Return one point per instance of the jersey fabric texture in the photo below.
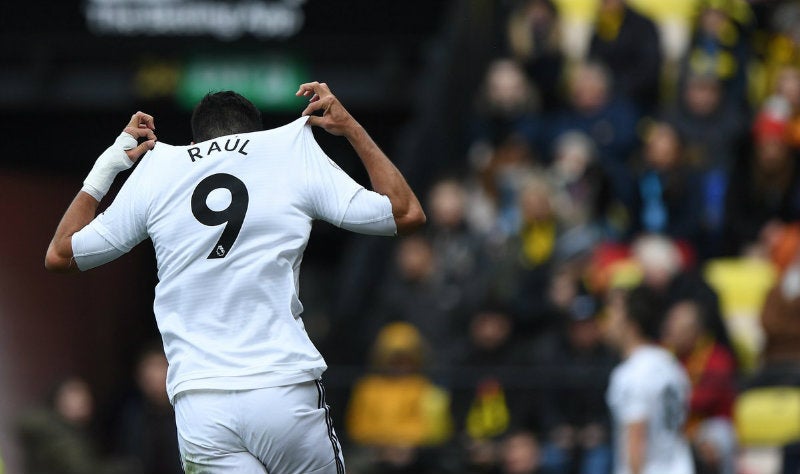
(229, 219)
(651, 386)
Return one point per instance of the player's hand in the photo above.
(141, 126)
(335, 119)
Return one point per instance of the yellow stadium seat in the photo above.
(768, 416)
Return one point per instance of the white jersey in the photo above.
(229, 219)
(651, 386)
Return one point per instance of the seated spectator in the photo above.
(628, 44)
(493, 191)
(489, 393)
(417, 293)
(712, 129)
(786, 97)
(780, 318)
(507, 107)
(669, 189)
(574, 409)
(396, 405)
(520, 266)
(58, 439)
(609, 121)
(664, 272)
(712, 372)
(713, 132)
(721, 47)
(764, 186)
(457, 249)
(534, 39)
(146, 430)
(582, 190)
(520, 454)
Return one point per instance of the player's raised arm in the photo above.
(386, 179)
(118, 157)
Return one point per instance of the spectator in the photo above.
(481, 456)
(416, 293)
(147, 428)
(521, 266)
(520, 454)
(494, 191)
(58, 439)
(669, 189)
(575, 411)
(457, 249)
(779, 318)
(712, 129)
(507, 107)
(534, 40)
(609, 121)
(765, 186)
(488, 400)
(712, 373)
(628, 44)
(663, 271)
(713, 132)
(720, 47)
(583, 193)
(396, 409)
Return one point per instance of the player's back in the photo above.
(229, 219)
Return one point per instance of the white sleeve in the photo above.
(369, 213)
(117, 230)
(90, 249)
(636, 403)
(329, 189)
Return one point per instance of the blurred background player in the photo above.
(648, 393)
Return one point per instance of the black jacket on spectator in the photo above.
(752, 202)
(634, 57)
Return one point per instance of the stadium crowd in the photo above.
(612, 144)
(659, 150)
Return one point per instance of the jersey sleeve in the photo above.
(369, 213)
(329, 189)
(118, 229)
(635, 401)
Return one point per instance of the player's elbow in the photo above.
(410, 221)
(56, 263)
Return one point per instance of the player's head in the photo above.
(644, 312)
(636, 319)
(224, 113)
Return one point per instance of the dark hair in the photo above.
(224, 113)
(645, 308)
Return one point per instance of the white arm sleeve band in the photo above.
(90, 249)
(369, 213)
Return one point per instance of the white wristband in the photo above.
(108, 165)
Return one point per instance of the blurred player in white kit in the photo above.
(230, 217)
(648, 393)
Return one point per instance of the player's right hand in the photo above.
(140, 126)
(335, 119)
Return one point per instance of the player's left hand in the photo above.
(335, 118)
(140, 126)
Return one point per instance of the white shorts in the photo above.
(276, 430)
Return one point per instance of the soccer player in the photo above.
(648, 393)
(229, 217)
